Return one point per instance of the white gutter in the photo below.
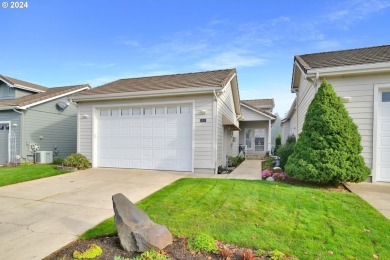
(28, 88)
(52, 98)
(215, 132)
(151, 93)
(257, 111)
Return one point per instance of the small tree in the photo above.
(278, 142)
(328, 148)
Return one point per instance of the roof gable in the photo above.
(218, 78)
(17, 83)
(350, 57)
(266, 114)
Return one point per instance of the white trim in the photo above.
(351, 69)
(9, 138)
(52, 98)
(95, 110)
(152, 93)
(9, 108)
(257, 111)
(375, 158)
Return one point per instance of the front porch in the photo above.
(255, 138)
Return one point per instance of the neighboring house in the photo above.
(181, 122)
(32, 115)
(289, 123)
(361, 77)
(255, 125)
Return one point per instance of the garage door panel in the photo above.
(136, 131)
(147, 141)
(158, 142)
(147, 131)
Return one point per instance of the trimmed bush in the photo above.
(236, 160)
(328, 148)
(286, 150)
(203, 242)
(76, 160)
(93, 251)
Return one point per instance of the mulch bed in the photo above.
(178, 250)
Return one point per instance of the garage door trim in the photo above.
(378, 89)
(96, 113)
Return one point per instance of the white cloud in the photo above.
(230, 59)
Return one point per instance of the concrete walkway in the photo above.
(376, 194)
(39, 217)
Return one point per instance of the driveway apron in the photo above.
(39, 217)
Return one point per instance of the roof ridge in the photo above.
(174, 74)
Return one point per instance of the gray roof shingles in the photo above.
(217, 78)
(344, 57)
(33, 98)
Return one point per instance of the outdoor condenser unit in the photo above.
(44, 157)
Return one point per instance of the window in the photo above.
(160, 111)
(125, 112)
(115, 112)
(104, 112)
(184, 110)
(386, 96)
(148, 111)
(136, 111)
(172, 110)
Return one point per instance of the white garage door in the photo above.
(384, 137)
(158, 137)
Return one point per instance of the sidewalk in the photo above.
(376, 194)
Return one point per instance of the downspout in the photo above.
(21, 132)
(215, 131)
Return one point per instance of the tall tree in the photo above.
(328, 149)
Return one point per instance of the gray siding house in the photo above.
(32, 115)
(361, 77)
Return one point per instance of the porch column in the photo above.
(269, 136)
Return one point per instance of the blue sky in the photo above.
(67, 42)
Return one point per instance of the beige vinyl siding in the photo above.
(361, 90)
(225, 106)
(203, 131)
(57, 129)
(250, 115)
(294, 124)
(304, 97)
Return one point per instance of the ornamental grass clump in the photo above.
(76, 160)
(328, 148)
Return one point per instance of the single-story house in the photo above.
(35, 118)
(181, 122)
(255, 124)
(361, 77)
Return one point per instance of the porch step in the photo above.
(254, 156)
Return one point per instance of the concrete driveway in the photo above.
(39, 217)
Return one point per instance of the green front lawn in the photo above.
(12, 175)
(301, 221)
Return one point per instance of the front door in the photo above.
(384, 137)
(255, 139)
(4, 131)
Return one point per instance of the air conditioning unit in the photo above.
(44, 157)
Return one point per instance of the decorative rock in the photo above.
(136, 231)
(269, 179)
(277, 169)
